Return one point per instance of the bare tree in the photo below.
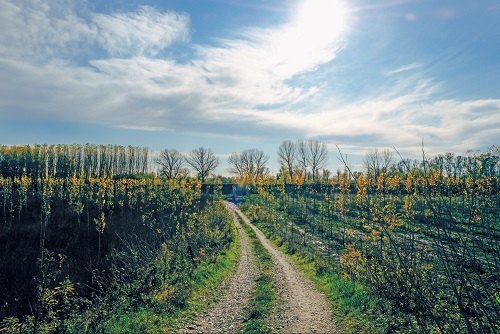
(249, 163)
(286, 156)
(302, 156)
(260, 161)
(387, 160)
(203, 161)
(372, 163)
(377, 162)
(171, 163)
(317, 155)
(235, 165)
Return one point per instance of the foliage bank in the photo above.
(77, 250)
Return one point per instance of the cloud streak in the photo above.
(144, 32)
(402, 69)
(40, 30)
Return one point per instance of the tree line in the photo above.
(63, 161)
(299, 161)
(303, 159)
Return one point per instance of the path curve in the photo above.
(232, 310)
(302, 308)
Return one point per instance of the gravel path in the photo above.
(302, 309)
(229, 314)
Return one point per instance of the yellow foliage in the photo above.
(11, 325)
(164, 294)
(393, 182)
(409, 183)
(352, 261)
(380, 182)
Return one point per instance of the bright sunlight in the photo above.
(316, 29)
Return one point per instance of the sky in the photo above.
(234, 75)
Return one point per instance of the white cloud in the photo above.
(40, 30)
(144, 128)
(256, 65)
(241, 73)
(144, 32)
(410, 17)
(447, 14)
(36, 30)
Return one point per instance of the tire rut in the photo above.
(301, 308)
(232, 310)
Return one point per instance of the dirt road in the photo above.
(300, 307)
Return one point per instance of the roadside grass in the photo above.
(356, 310)
(265, 294)
(206, 281)
(354, 306)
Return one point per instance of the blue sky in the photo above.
(233, 74)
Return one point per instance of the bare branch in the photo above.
(203, 161)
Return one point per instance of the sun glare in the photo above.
(321, 21)
(313, 33)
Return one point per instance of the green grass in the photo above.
(144, 320)
(265, 293)
(207, 278)
(356, 310)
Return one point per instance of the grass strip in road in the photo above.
(265, 294)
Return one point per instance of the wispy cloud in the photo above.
(410, 17)
(276, 6)
(36, 30)
(382, 4)
(255, 66)
(404, 68)
(144, 32)
(39, 30)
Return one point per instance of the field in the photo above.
(92, 241)
(427, 244)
